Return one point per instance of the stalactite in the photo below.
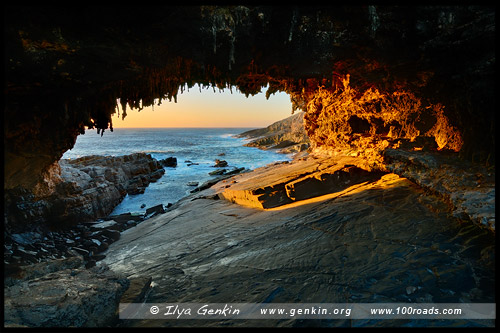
(293, 21)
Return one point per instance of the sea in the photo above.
(196, 150)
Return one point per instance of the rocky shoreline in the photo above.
(114, 256)
(44, 260)
(86, 239)
(378, 237)
(98, 184)
(58, 270)
(79, 190)
(84, 270)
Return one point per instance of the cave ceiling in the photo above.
(71, 68)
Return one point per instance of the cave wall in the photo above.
(358, 71)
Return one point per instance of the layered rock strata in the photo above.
(469, 189)
(287, 135)
(80, 190)
(273, 186)
(385, 240)
(351, 238)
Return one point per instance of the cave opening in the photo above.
(192, 133)
(395, 102)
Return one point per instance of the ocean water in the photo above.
(198, 145)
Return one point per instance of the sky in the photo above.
(210, 109)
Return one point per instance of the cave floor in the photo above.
(381, 241)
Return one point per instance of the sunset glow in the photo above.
(206, 108)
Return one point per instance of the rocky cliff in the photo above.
(80, 190)
(288, 135)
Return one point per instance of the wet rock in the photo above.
(125, 217)
(83, 252)
(90, 263)
(192, 184)
(158, 209)
(103, 225)
(98, 257)
(220, 163)
(212, 182)
(93, 249)
(103, 247)
(170, 162)
(217, 172)
(26, 238)
(26, 255)
(235, 171)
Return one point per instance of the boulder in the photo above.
(170, 162)
(217, 172)
(158, 209)
(220, 163)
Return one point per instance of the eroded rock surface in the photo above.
(469, 188)
(284, 183)
(81, 190)
(383, 240)
(65, 295)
